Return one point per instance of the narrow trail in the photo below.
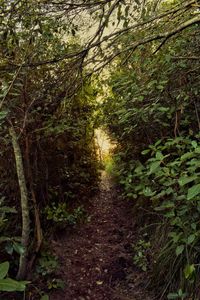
(96, 257)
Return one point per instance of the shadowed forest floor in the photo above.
(96, 257)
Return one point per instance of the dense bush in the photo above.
(168, 183)
(152, 110)
(47, 114)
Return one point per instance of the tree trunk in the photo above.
(38, 228)
(24, 205)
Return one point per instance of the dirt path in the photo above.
(96, 258)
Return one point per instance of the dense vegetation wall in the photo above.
(153, 112)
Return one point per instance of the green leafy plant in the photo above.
(47, 264)
(179, 295)
(60, 214)
(55, 284)
(7, 284)
(11, 244)
(170, 180)
(151, 109)
(140, 258)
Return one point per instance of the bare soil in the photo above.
(96, 258)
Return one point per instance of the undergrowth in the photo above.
(167, 185)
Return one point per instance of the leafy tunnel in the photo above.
(92, 87)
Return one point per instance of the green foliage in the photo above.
(55, 284)
(154, 96)
(169, 181)
(140, 257)
(109, 165)
(151, 109)
(4, 267)
(179, 295)
(47, 264)
(11, 244)
(46, 268)
(60, 214)
(7, 284)
(51, 107)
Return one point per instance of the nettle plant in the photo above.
(170, 179)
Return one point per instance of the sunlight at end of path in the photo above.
(104, 144)
(105, 149)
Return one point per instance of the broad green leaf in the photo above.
(191, 239)
(169, 191)
(169, 182)
(3, 114)
(144, 152)
(179, 250)
(176, 237)
(154, 166)
(187, 156)
(176, 222)
(158, 143)
(11, 285)
(194, 226)
(194, 162)
(139, 168)
(186, 179)
(166, 204)
(170, 214)
(181, 293)
(4, 267)
(163, 109)
(197, 150)
(160, 87)
(18, 248)
(193, 191)
(159, 195)
(148, 192)
(194, 144)
(189, 270)
(159, 155)
(180, 197)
